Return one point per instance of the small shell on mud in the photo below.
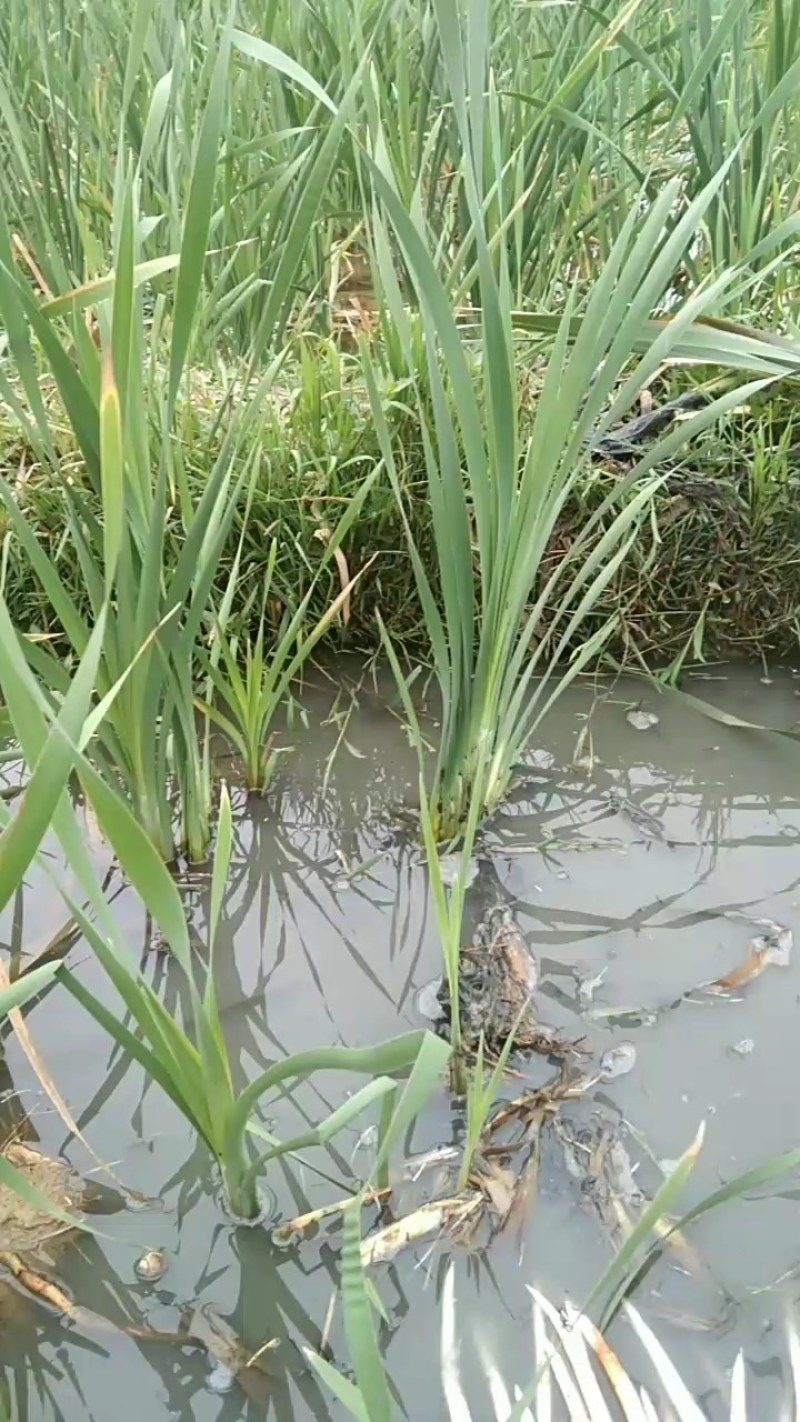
(642, 720)
(618, 1061)
(152, 1266)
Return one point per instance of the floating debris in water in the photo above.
(451, 866)
(427, 1000)
(626, 1015)
(137, 1203)
(435, 1217)
(439, 1155)
(290, 1230)
(152, 1266)
(587, 986)
(220, 1379)
(617, 1061)
(771, 948)
(642, 720)
(744, 1048)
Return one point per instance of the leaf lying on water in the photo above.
(773, 947)
(432, 1218)
(726, 718)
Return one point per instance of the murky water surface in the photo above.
(328, 937)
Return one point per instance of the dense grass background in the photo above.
(716, 569)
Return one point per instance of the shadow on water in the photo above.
(640, 871)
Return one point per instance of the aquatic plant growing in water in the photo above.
(192, 1067)
(508, 627)
(245, 700)
(153, 612)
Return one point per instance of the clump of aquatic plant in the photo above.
(483, 1088)
(509, 628)
(246, 694)
(733, 73)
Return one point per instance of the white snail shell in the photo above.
(152, 1265)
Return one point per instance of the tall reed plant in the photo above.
(122, 382)
(508, 626)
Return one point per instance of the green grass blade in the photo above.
(51, 768)
(614, 1281)
(197, 220)
(27, 987)
(342, 1388)
(142, 865)
(222, 859)
(359, 1326)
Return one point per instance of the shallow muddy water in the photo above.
(329, 937)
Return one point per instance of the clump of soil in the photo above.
(497, 979)
(24, 1227)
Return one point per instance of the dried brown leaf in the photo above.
(773, 948)
(432, 1218)
(301, 1223)
(38, 1284)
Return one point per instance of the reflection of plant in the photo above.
(16, 995)
(50, 744)
(573, 1358)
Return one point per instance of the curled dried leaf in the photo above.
(771, 948)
